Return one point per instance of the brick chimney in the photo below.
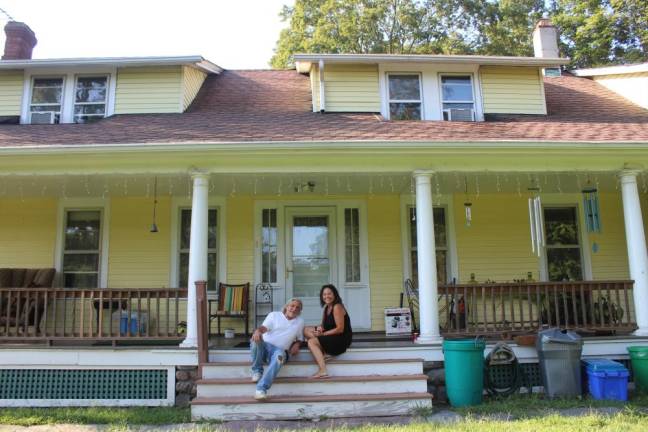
(545, 39)
(20, 41)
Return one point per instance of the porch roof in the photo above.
(275, 106)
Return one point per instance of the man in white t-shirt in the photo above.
(280, 333)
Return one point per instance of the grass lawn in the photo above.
(95, 415)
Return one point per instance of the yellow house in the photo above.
(506, 195)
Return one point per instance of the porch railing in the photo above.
(523, 307)
(50, 314)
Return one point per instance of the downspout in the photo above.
(321, 87)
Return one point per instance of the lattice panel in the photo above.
(83, 384)
(501, 375)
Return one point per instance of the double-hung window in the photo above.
(46, 100)
(458, 98)
(405, 102)
(212, 248)
(90, 97)
(440, 241)
(563, 248)
(82, 248)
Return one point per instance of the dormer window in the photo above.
(46, 100)
(404, 96)
(90, 99)
(457, 98)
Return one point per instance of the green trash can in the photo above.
(639, 360)
(464, 371)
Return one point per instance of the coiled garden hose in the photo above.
(502, 355)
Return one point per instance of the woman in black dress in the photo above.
(334, 336)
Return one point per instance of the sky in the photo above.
(234, 34)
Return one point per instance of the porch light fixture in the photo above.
(591, 208)
(467, 205)
(308, 186)
(154, 227)
(536, 222)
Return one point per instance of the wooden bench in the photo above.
(233, 302)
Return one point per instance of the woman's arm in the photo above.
(338, 316)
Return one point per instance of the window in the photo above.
(82, 249)
(562, 244)
(440, 240)
(46, 100)
(212, 248)
(269, 246)
(90, 99)
(352, 244)
(457, 98)
(404, 97)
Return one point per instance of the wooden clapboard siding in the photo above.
(610, 262)
(137, 257)
(512, 90)
(11, 92)
(315, 89)
(28, 232)
(149, 90)
(385, 256)
(192, 80)
(351, 88)
(633, 87)
(496, 246)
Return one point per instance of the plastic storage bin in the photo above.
(559, 352)
(639, 359)
(137, 323)
(606, 379)
(464, 371)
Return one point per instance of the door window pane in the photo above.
(564, 262)
(82, 248)
(352, 244)
(311, 266)
(269, 245)
(212, 248)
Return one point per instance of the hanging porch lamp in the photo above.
(467, 205)
(591, 208)
(536, 223)
(154, 227)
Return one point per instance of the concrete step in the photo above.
(413, 351)
(308, 406)
(334, 385)
(307, 368)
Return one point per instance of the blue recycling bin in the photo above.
(606, 379)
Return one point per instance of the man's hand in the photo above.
(256, 336)
(294, 348)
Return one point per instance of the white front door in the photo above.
(310, 256)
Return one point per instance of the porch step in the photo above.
(334, 385)
(308, 406)
(380, 367)
(373, 353)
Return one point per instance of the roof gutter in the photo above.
(319, 145)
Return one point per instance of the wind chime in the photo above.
(467, 204)
(154, 227)
(536, 222)
(591, 208)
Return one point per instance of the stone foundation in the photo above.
(185, 388)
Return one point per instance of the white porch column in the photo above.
(197, 252)
(636, 241)
(426, 254)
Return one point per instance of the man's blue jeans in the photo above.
(275, 357)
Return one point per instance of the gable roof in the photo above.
(275, 106)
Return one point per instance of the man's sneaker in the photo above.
(256, 376)
(260, 395)
(282, 359)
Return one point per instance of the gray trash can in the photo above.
(559, 352)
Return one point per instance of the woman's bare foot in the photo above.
(320, 374)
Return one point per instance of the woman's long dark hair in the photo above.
(336, 295)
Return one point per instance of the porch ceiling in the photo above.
(305, 184)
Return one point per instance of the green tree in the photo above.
(599, 32)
